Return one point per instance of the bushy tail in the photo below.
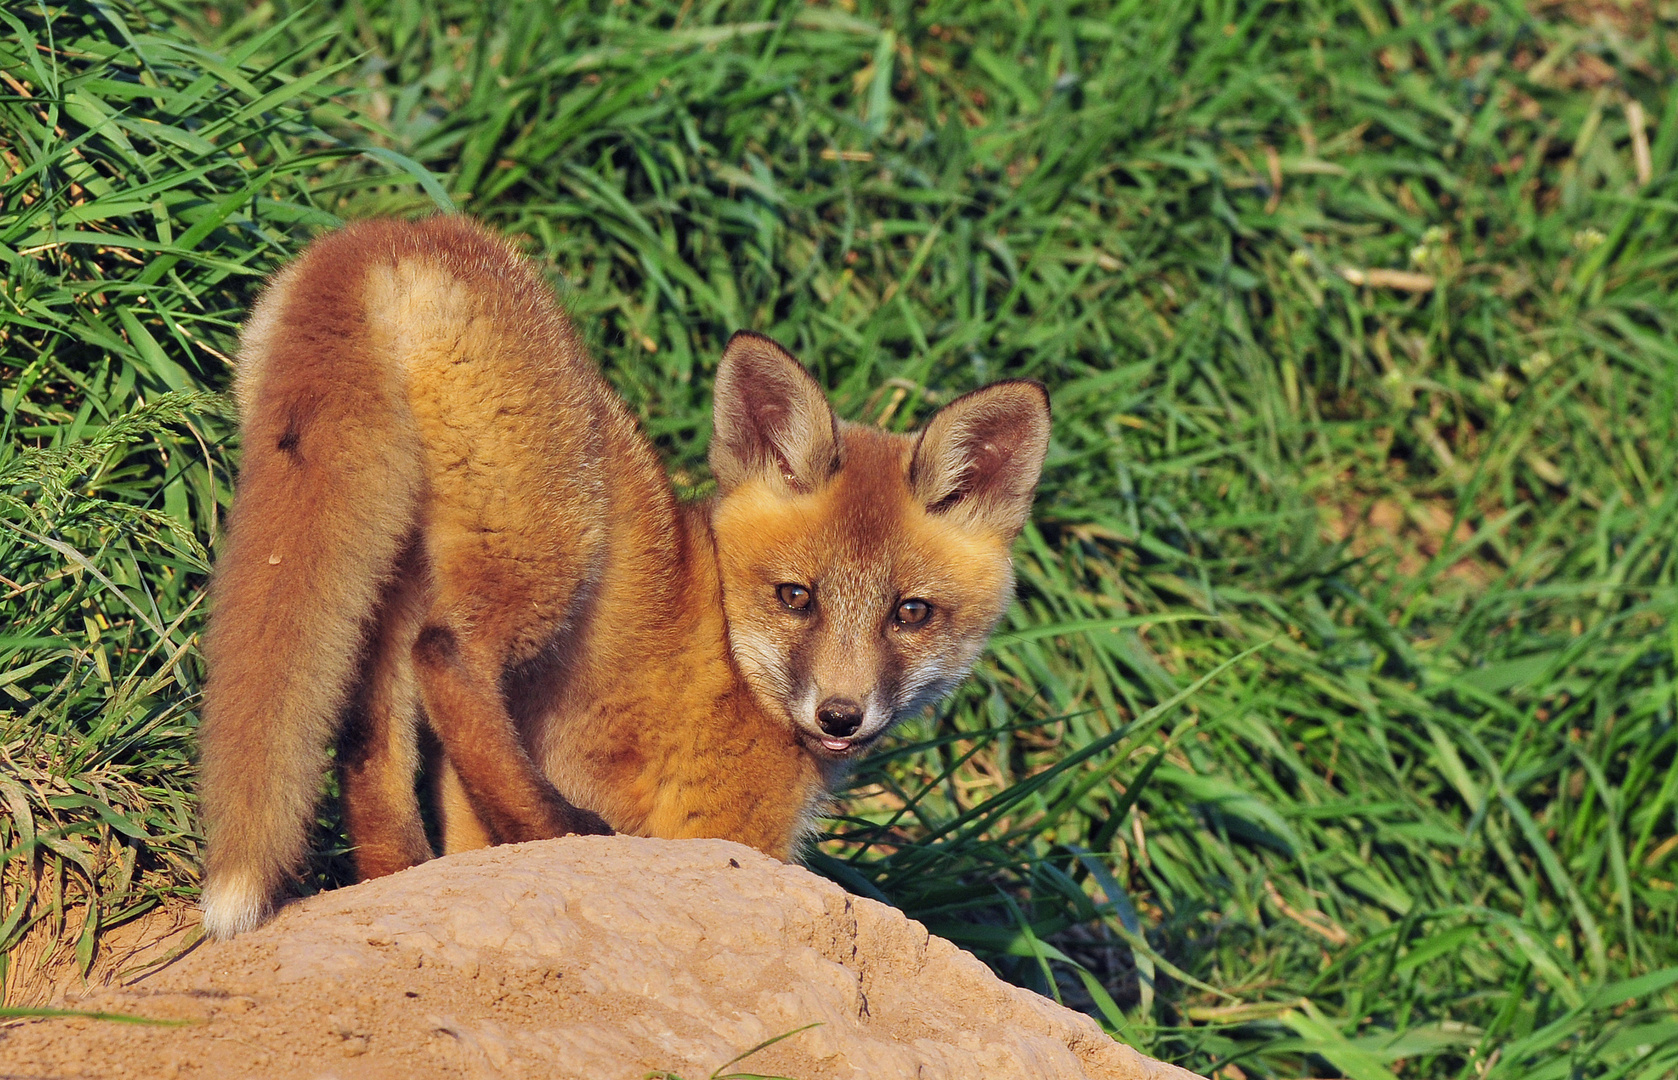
(328, 494)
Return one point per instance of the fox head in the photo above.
(862, 570)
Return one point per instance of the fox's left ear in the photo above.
(769, 419)
(980, 457)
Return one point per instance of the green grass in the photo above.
(1333, 734)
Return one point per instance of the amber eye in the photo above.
(795, 597)
(912, 612)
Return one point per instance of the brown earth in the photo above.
(43, 966)
(1414, 532)
(596, 957)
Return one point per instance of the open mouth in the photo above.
(835, 745)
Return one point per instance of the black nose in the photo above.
(839, 717)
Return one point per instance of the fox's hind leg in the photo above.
(378, 750)
(461, 830)
(329, 489)
(460, 682)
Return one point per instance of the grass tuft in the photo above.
(146, 185)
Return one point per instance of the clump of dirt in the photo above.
(1415, 533)
(44, 965)
(591, 957)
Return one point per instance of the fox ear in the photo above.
(981, 455)
(769, 419)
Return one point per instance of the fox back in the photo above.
(446, 521)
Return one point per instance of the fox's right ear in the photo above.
(769, 419)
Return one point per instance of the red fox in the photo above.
(446, 518)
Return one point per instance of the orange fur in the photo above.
(446, 517)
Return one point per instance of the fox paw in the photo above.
(588, 823)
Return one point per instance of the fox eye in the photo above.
(794, 597)
(912, 612)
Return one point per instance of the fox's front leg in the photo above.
(461, 688)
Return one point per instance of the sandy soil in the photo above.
(595, 957)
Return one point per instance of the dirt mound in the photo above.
(596, 957)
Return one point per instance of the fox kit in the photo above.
(447, 518)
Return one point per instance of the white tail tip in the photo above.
(232, 904)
